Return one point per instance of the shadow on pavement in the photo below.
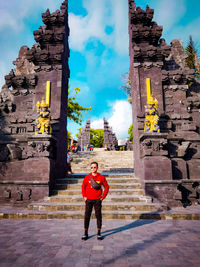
(126, 227)
(139, 246)
(131, 225)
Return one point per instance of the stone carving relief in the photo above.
(18, 194)
(23, 66)
(153, 147)
(6, 100)
(188, 193)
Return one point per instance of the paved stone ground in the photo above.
(126, 243)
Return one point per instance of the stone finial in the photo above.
(64, 6)
(23, 66)
(132, 5)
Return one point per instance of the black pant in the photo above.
(88, 211)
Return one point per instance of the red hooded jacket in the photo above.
(89, 192)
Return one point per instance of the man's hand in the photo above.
(85, 198)
(101, 199)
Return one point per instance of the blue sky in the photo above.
(99, 46)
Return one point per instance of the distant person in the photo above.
(73, 148)
(78, 148)
(69, 159)
(93, 196)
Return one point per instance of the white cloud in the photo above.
(120, 22)
(121, 118)
(101, 14)
(97, 124)
(13, 12)
(83, 28)
(183, 32)
(168, 13)
(13, 17)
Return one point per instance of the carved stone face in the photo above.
(44, 109)
(150, 106)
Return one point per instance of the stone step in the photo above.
(107, 206)
(85, 170)
(123, 215)
(109, 180)
(107, 160)
(112, 186)
(106, 174)
(119, 192)
(109, 198)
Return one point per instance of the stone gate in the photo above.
(110, 140)
(30, 163)
(167, 163)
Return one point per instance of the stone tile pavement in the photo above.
(126, 243)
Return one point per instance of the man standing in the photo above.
(93, 196)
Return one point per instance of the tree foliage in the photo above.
(191, 54)
(126, 85)
(130, 132)
(74, 109)
(197, 68)
(97, 137)
(192, 59)
(69, 136)
(79, 132)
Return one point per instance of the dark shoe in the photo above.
(84, 237)
(99, 237)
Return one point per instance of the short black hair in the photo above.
(94, 162)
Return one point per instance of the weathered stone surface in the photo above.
(110, 140)
(24, 156)
(174, 155)
(157, 168)
(84, 137)
(179, 169)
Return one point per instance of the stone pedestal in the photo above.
(29, 173)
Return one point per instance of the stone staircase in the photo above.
(125, 199)
(115, 161)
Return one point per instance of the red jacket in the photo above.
(89, 192)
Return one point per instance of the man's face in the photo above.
(94, 168)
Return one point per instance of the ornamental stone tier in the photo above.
(29, 163)
(167, 163)
(84, 136)
(110, 140)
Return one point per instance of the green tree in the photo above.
(130, 132)
(74, 109)
(97, 137)
(197, 65)
(191, 54)
(192, 59)
(126, 85)
(79, 132)
(69, 136)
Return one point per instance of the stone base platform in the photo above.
(174, 193)
(17, 213)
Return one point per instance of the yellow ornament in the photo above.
(151, 112)
(42, 123)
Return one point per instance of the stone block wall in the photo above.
(29, 162)
(173, 154)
